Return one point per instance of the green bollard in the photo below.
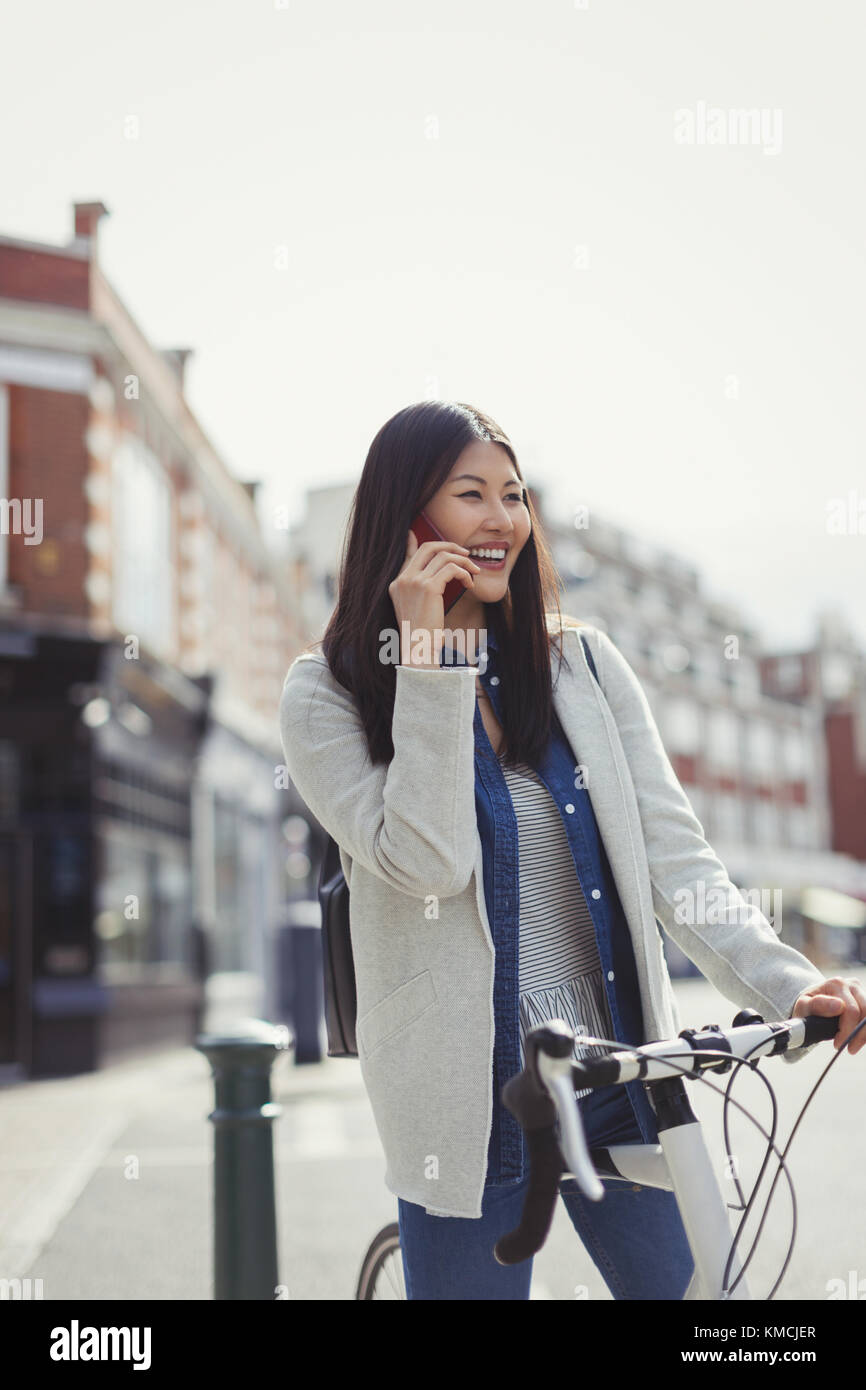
(245, 1217)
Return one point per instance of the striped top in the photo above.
(561, 974)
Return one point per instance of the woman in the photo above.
(490, 886)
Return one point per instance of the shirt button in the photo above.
(494, 680)
(610, 974)
(569, 808)
(596, 893)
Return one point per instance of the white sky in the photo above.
(446, 266)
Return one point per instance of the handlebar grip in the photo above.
(545, 1169)
(818, 1027)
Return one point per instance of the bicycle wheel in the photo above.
(382, 1267)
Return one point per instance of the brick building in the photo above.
(758, 756)
(145, 631)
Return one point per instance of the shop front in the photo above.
(98, 947)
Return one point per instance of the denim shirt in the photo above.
(621, 1114)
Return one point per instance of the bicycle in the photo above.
(542, 1099)
(381, 1274)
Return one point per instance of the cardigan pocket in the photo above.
(396, 1011)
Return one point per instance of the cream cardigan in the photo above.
(421, 940)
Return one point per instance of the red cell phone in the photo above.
(426, 531)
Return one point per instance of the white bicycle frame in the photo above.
(679, 1163)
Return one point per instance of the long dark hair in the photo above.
(408, 461)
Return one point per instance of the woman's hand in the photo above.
(417, 592)
(845, 998)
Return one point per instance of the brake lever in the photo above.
(557, 1075)
(535, 1096)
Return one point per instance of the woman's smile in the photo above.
(490, 564)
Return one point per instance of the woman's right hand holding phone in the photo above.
(417, 592)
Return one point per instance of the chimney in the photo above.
(87, 217)
(176, 358)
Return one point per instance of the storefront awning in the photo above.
(833, 909)
(793, 870)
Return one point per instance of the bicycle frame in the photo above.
(681, 1163)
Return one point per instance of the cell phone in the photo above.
(426, 531)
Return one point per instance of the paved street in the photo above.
(72, 1215)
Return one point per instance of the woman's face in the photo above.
(484, 510)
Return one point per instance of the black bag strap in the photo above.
(330, 867)
(589, 657)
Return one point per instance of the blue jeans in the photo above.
(634, 1235)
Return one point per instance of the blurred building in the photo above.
(761, 744)
(830, 678)
(315, 546)
(145, 631)
(313, 549)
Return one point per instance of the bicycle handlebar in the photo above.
(817, 1028)
(545, 1090)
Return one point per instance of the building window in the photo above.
(144, 903)
(728, 818)
(765, 821)
(796, 752)
(708, 664)
(801, 827)
(836, 676)
(680, 725)
(144, 569)
(744, 675)
(4, 481)
(691, 618)
(789, 674)
(722, 740)
(761, 743)
(10, 799)
(228, 872)
(655, 604)
(209, 607)
(124, 792)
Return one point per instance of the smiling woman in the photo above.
(488, 888)
(458, 466)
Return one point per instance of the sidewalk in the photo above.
(106, 1179)
(132, 1125)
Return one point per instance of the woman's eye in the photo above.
(512, 496)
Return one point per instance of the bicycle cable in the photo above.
(611, 1045)
(728, 1289)
(745, 1206)
(803, 1109)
